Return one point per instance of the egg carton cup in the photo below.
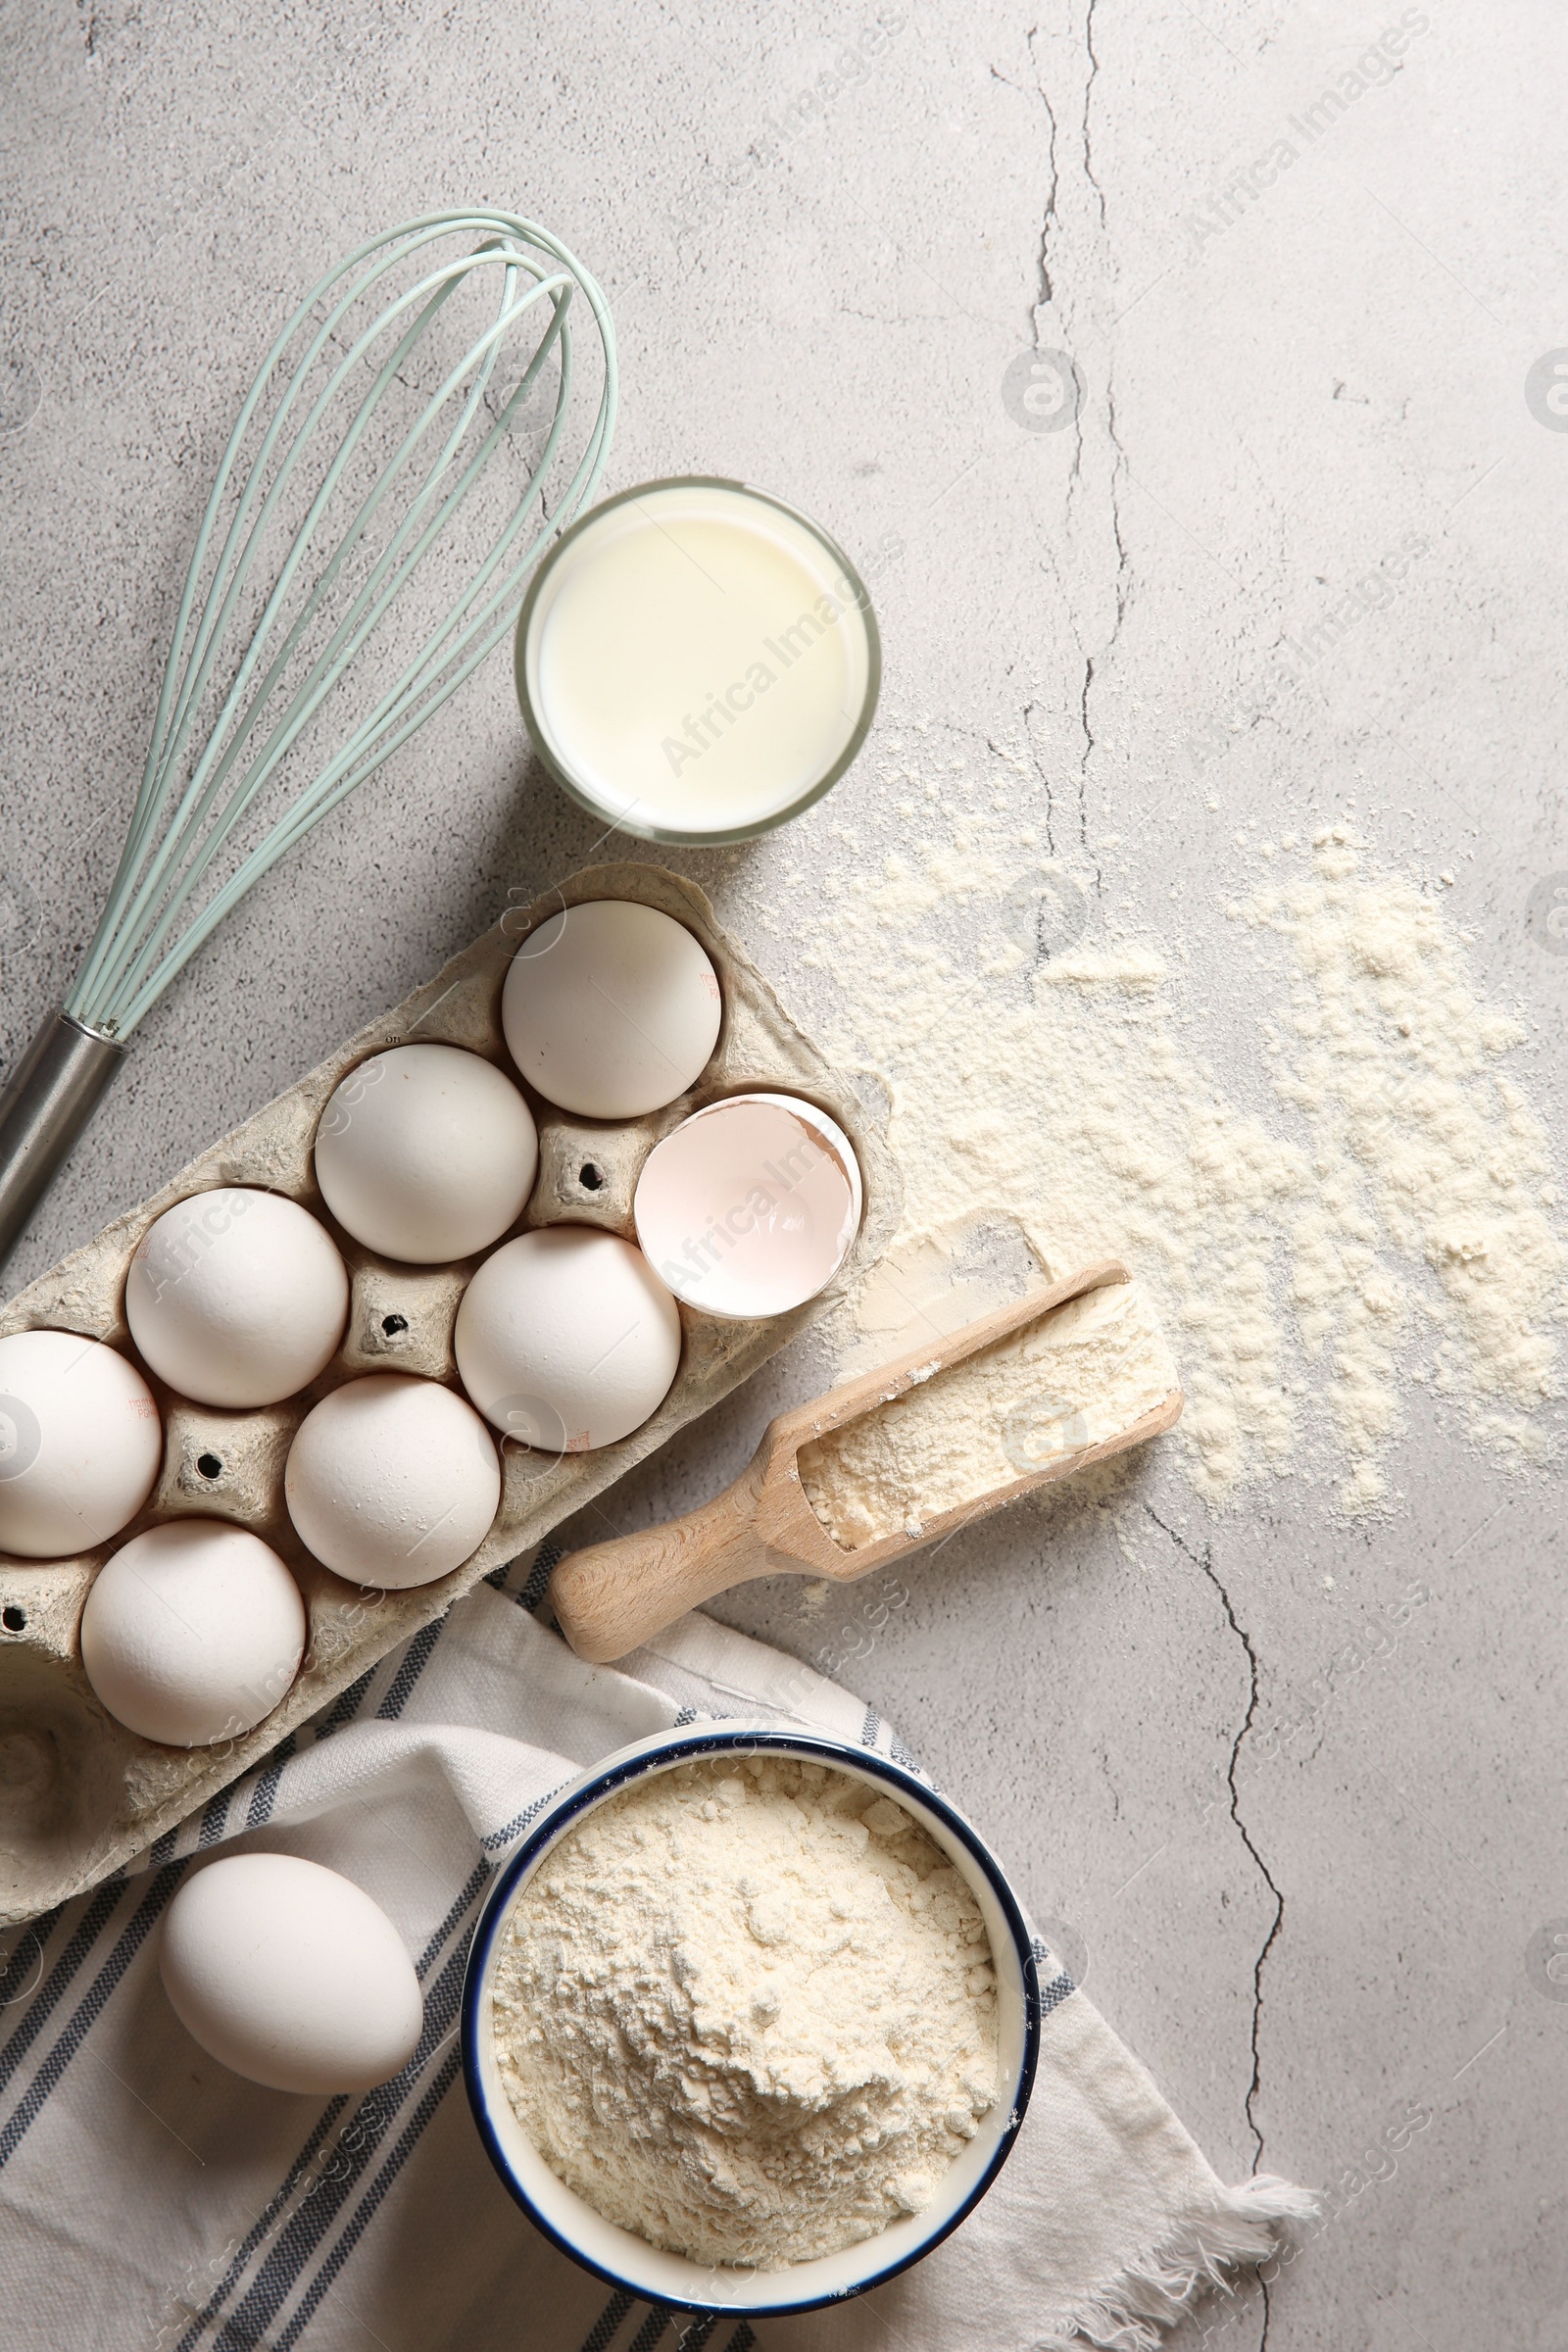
(79, 1793)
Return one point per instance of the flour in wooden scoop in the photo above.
(747, 2010)
(1035, 1399)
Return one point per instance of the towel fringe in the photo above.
(1247, 2226)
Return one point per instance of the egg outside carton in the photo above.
(79, 1793)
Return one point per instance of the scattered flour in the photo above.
(1078, 1376)
(1394, 1222)
(1426, 1157)
(748, 2012)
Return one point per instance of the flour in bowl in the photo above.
(747, 2010)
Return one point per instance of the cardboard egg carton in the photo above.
(79, 1793)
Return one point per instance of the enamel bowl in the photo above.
(618, 2256)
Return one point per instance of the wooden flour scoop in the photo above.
(612, 1596)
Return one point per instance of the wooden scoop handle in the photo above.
(615, 1596)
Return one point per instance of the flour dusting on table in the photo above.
(1396, 1220)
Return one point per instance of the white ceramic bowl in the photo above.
(625, 2260)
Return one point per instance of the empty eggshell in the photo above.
(427, 1152)
(749, 1207)
(392, 1481)
(610, 1009)
(81, 1442)
(290, 1974)
(193, 1631)
(236, 1296)
(567, 1338)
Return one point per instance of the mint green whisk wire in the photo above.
(176, 831)
(182, 822)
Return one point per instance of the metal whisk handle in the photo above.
(48, 1100)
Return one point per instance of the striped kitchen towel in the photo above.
(151, 2200)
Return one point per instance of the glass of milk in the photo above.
(697, 662)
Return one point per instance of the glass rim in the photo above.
(705, 839)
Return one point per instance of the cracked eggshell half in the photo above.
(567, 1338)
(427, 1152)
(290, 1974)
(392, 1481)
(81, 1442)
(611, 1009)
(237, 1297)
(750, 1206)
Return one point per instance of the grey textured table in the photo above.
(826, 254)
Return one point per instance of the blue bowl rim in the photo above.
(717, 1740)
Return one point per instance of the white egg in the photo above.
(193, 1631)
(567, 1338)
(610, 1009)
(749, 1207)
(392, 1481)
(427, 1152)
(81, 1442)
(237, 1297)
(290, 1974)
